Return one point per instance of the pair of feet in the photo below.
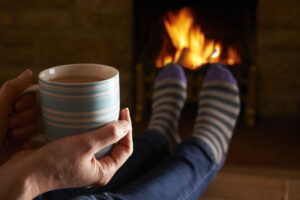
(218, 107)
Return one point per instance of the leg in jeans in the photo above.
(151, 146)
(196, 161)
(185, 174)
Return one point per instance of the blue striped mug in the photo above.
(77, 98)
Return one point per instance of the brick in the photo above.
(43, 4)
(18, 37)
(69, 47)
(278, 81)
(276, 63)
(43, 19)
(279, 38)
(282, 66)
(97, 21)
(121, 8)
(278, 14)
(278, 106)
(95, 16)
(35, 4)
(17, 55)
(6, 19)
(6, 3)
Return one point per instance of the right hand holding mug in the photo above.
(70, 161)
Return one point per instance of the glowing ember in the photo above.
(192, 48)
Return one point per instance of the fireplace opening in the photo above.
(194, 34)
(185, 43)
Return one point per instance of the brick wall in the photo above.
(38, 34)
(278, 58)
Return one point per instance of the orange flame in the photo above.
(192, 48)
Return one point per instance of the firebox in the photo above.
(194, 34)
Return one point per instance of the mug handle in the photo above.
(32, 88)
(40, 139)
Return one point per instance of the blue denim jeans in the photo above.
(152, 172)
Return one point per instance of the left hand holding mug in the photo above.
(18, 114)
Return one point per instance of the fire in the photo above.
(192, 48)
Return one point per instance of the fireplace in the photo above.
(206, 31)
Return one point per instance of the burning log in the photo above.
(183, 59)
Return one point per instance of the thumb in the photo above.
(107, 135)
(11, 89)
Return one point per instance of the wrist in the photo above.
(23, 179)
(16, 184)
(27, 187)
(37, 179)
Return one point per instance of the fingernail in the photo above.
(128, 113)
(127, 128)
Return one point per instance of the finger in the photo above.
(125, 115)
(120, 152)
(24, 132)
(107, 135)
(25, 101)
(23, 118)
(127, 140)
(124, 147)
(11, 89)
(109, 164)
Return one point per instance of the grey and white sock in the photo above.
(168, 100)
(218, 110)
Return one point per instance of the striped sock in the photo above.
(218, 110)
(168, 100)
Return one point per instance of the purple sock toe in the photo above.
(217, 72)
(172, 70)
